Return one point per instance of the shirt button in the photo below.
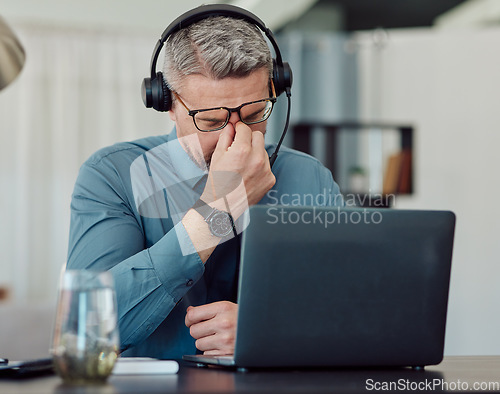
(189, 283)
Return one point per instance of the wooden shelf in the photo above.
(402, 184)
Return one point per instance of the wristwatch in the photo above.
(220, 223)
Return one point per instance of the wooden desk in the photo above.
(459, 374)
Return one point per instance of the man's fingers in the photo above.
(199, 313)
(258, 142)
(217, 344)
(206, 343)
(213, 326)
(243, 136)
(203, 329)
(226, 138)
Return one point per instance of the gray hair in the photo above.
(216, 47)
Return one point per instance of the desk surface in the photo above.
(454, 374)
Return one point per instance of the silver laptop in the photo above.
(326, 287)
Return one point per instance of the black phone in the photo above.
(25, 369)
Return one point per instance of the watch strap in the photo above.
(204, 209)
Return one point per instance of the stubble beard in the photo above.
(202, 161)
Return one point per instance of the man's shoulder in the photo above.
(125, 152)
(300, 176)
(288, 156)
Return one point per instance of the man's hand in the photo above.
(214, 327)
(242, 152)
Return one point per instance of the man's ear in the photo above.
(171, 113)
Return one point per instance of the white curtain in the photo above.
(79, 91)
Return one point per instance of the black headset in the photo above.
(157, 95)
(155, 92)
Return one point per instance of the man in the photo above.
(138, 208)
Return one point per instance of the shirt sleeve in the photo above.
(105, 234)
(335, 197)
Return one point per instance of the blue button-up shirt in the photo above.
(126, 209)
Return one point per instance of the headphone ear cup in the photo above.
(162, 98)
(147, 97)
(282, 77)
(156, 94)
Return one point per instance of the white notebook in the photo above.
(144, 366)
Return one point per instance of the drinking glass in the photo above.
(86, 339)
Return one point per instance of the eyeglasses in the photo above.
(213, 119)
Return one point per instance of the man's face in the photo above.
(200, 92)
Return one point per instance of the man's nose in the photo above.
(234, 118)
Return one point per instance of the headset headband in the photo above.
(154, 89)
(202, 12)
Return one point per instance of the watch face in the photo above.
(221, 224)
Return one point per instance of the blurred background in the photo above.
(396, 97)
